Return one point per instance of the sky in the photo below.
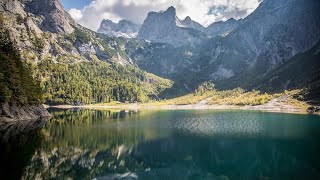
(90, 13)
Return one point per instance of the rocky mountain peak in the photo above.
(166, 27)
(124, 28)
(107, 21)
(189, 23)
(53, 17)
(187, 19)
(171, 10)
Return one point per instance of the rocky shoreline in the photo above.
(17, 113)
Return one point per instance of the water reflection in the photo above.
(88, 144)
(18, 143)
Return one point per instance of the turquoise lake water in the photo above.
(175, 144)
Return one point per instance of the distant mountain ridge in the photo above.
(189, 23)
(166, 27)
(123, 28)
(222, 28)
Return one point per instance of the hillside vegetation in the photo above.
(16, 83)
(82, 67)
(206, 94)
(95, 82)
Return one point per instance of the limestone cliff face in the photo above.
(166, 27)
(48, 15)
(53, 18)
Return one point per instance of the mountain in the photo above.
(301, 71)
(123, 28)
(222, 28)
(253, 48)
(73, 64)
(189, 23)
(269, 37)
(166, 27)
(53, 17)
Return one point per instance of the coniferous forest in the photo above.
(16, 82)
(95, 82)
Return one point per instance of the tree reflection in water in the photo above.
(93, 144)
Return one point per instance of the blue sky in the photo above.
(79, 4)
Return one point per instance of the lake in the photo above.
(175, 144)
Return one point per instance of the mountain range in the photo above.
(240, 53)
(163, 27)
(166, 27)
(273, 49)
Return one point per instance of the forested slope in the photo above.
(16, 83)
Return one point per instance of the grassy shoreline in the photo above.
(236, 99)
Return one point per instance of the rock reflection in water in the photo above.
(18, 143)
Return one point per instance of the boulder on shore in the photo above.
(28, 112)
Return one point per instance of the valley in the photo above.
(165, 57)
(153, 90)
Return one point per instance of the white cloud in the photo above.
(76, 14)
(137, 10)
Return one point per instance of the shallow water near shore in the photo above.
(161, 144)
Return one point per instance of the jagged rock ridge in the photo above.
(123, 28)
(222, 28)
(188, 22)
(166, 27)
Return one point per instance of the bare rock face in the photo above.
(166, 27)
(54, 17)
(189, 23)
(123, 28)
(49, 15)
(13, 6)
(222, 28)
(28, 112)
